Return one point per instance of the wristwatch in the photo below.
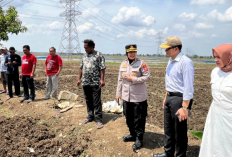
(184, 107)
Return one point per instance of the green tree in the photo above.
(10, 23)
(195, 56)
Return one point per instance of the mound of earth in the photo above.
(25, 136)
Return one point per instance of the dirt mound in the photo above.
(19, 134)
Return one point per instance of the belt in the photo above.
(175, 94)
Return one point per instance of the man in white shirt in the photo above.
(3, 68)
(179, 80)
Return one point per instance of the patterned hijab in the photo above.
(225, 53)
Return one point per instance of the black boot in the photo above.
(137, 145)
(129, 138)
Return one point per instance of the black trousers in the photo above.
(28, 83)
(15, 78)
(135, 113)
(176, 139)
(93, 101)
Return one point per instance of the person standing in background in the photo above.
(13, 62)
(27, 74)
(53, 67)
(3, 68)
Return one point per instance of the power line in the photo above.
(114, 27)
(62, 21)
(59, 19)
(91, 22)
(7, 3)
(108, 14)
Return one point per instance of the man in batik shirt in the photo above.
(92, 69)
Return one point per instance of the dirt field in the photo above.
(36, 126)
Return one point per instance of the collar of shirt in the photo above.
(92, 54)
(178, 57)
(136, 59)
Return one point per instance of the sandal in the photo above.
(99, 125)
(87, 121)
(2, 92)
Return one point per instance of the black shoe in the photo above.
(160, 155)
(29, 100)
(22, 100)
(128, 138)
(137, 145)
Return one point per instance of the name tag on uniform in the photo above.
(125, 65)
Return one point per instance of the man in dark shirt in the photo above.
(92, 69)
(13, 62)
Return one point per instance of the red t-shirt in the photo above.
(27, 64)
(52, 64)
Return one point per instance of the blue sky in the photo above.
(112, 24)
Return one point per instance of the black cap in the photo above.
(12, 49)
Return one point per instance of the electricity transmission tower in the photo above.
(159, 40)
(69, 43)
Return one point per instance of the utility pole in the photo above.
(69, 43)
(159, 40)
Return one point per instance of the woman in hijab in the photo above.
(217, 137)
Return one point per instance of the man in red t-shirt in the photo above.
(53, 67)
(27, 74)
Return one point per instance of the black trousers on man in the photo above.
(93, 101)
(15, 79)
(135, 113)
(28, 83)
(176, 139)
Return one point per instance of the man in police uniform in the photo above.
(179, 80)
(132, 89)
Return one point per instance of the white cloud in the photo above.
(192, 34)
(179, 27)
(165, 31)
(87, 26)
(139, 34)
(203, 26)
(133, 16)
(226, 17)
(214, 35)
(143, 33)
(187, 17)
(56, 25)
(196, 34)
(207, 2)
(90, 12)
(47, 28)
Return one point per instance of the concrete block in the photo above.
(66, 95)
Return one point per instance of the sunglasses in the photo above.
(170, 48)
